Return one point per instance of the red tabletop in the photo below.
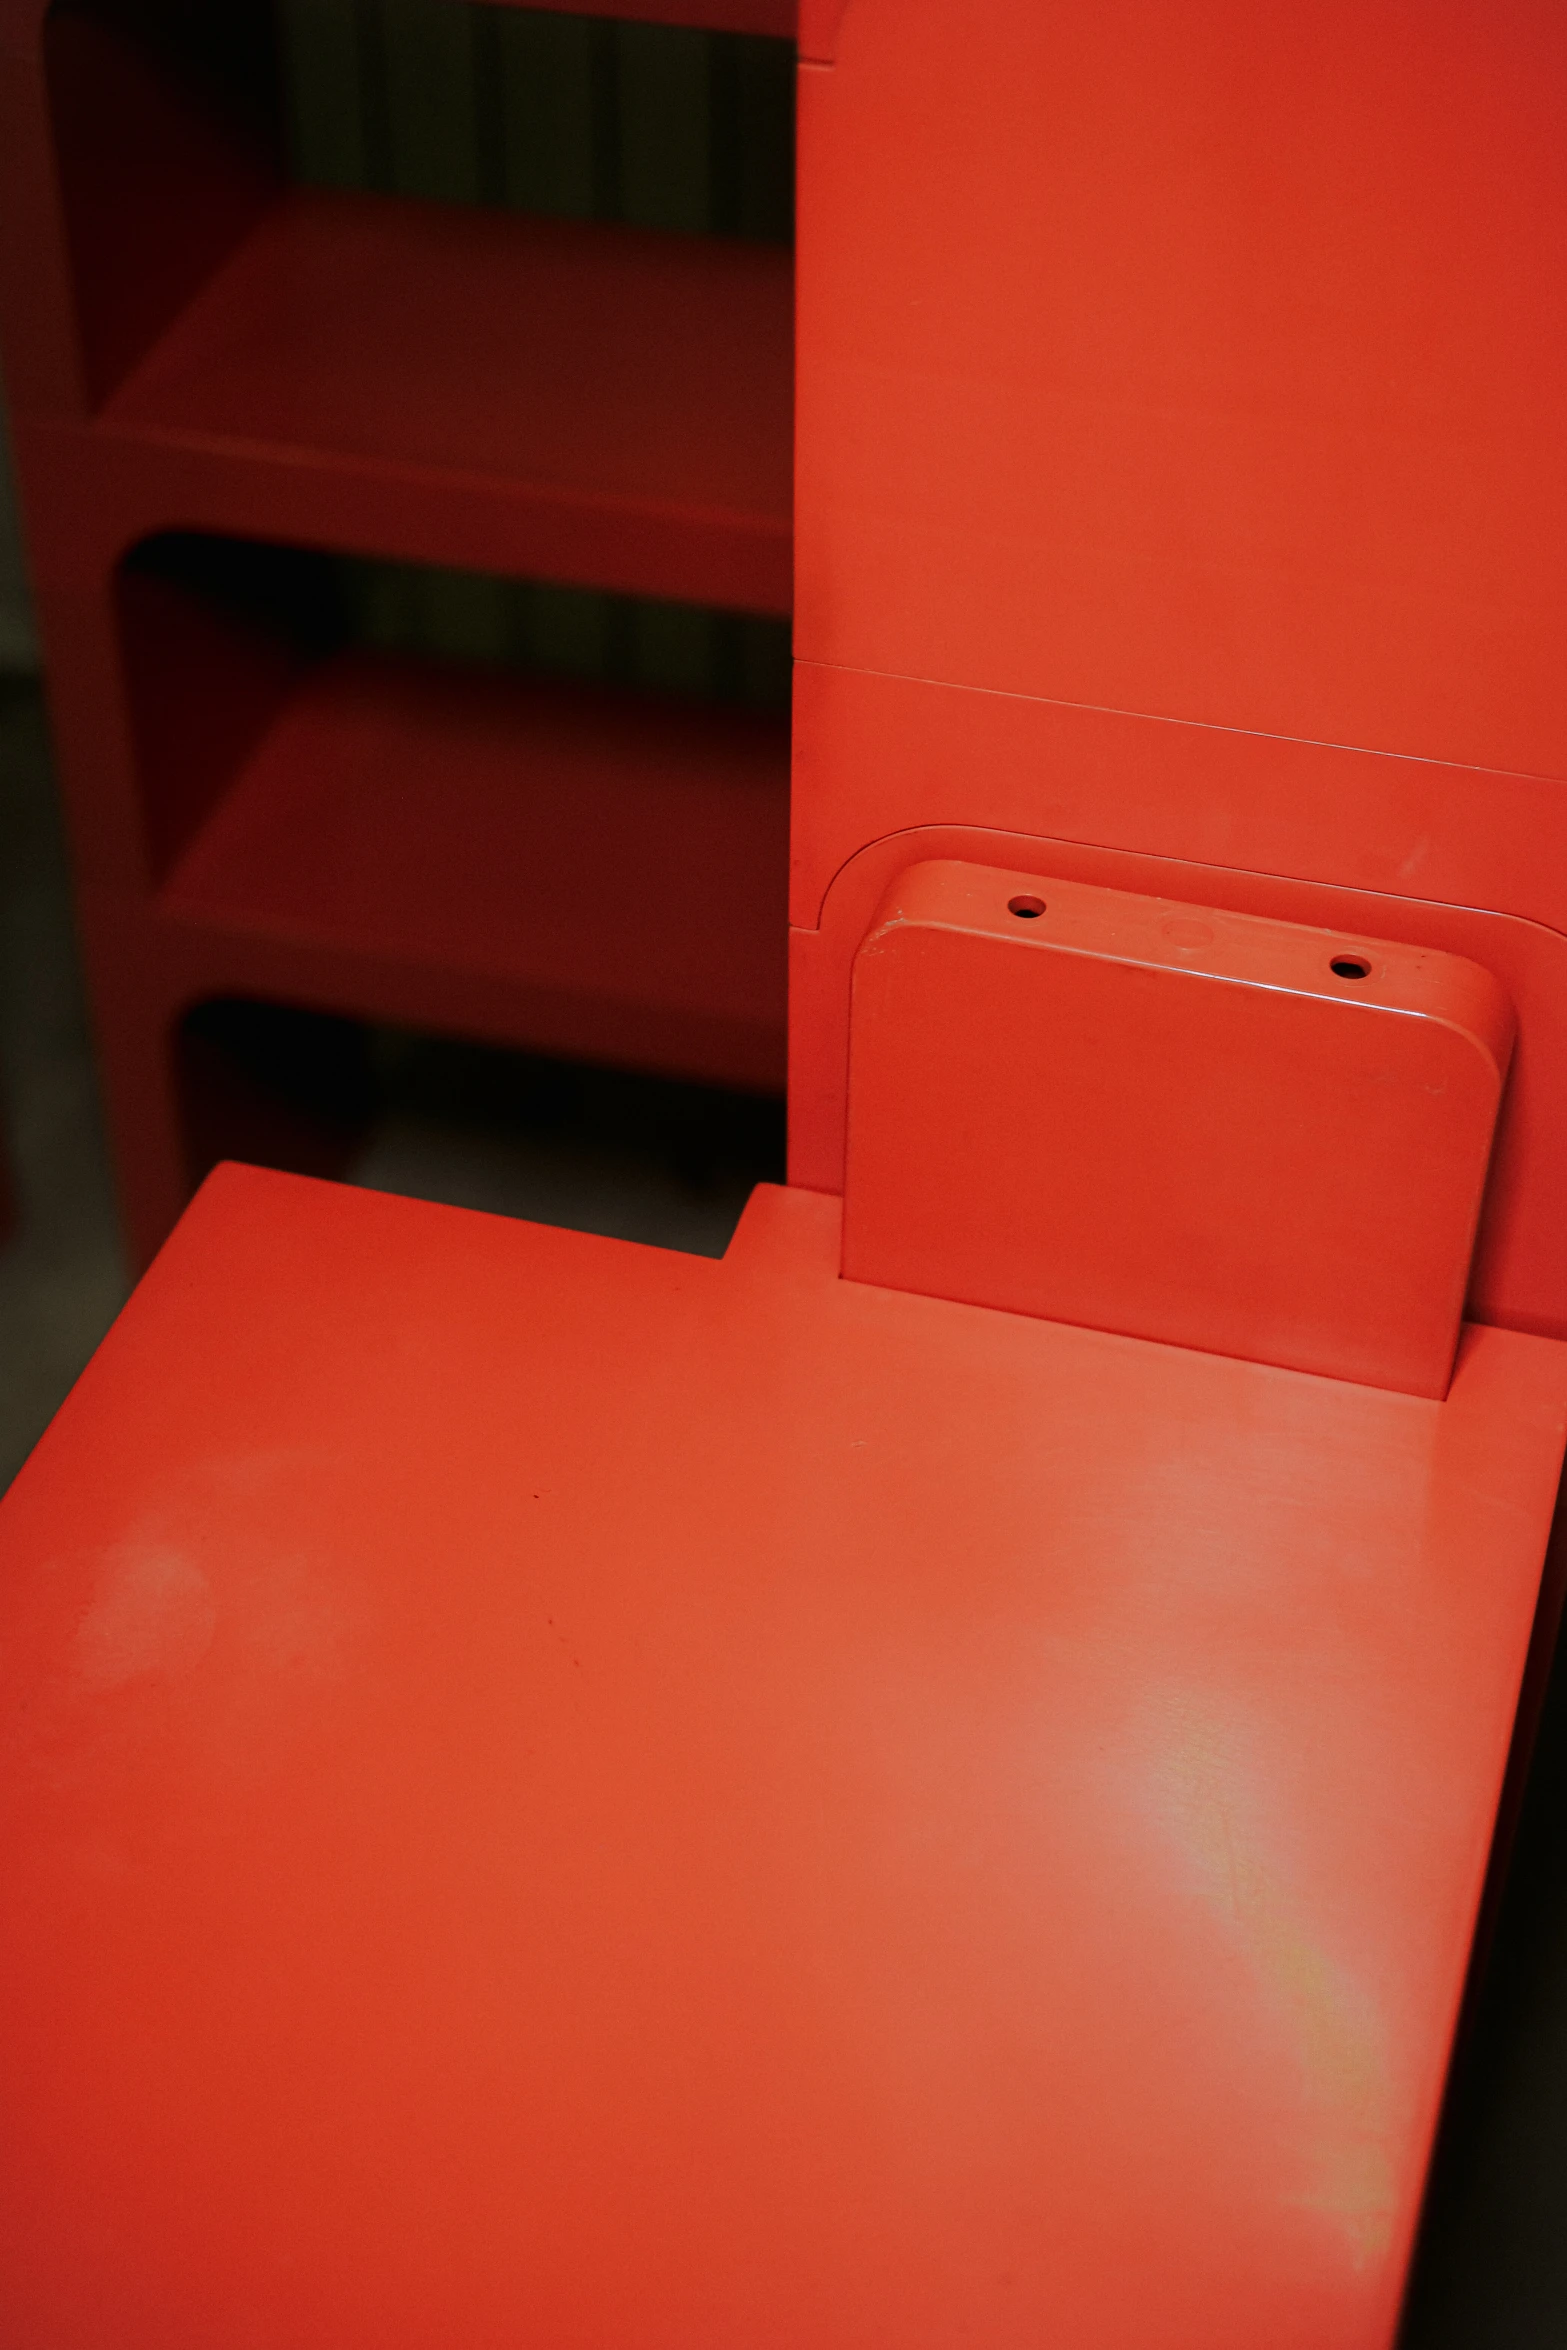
(556, 1792)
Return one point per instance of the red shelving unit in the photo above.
(195, 346)
(623, 396)
(616, 866)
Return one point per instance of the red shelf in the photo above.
(585, 873)
(194, 351)
(635, 387)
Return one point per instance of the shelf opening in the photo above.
(579, 116)
(473, 1125)
(180, 126)
(511, 809)
(219, 633)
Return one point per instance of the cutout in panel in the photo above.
(536, 813)
(472, 1125)
(185, 129)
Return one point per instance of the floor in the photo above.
(672, 1167)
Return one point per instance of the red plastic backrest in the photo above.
(1179, 475)
(1213, 1129)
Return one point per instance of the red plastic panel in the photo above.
(1200, 362)
(820, 24)
(1519, 1276)
(1203, 1127)
(561, 1793)
(877, 755)
(1177, 479)
(596, 372)
(44, 360)
(156, 180)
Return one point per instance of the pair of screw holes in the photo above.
(1029, 909)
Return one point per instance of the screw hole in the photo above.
(1350, 967)
(1026, 909)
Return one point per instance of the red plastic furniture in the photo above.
(1212, 1129)
(557, 1792)
(192, 346)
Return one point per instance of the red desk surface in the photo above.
(556, 1793)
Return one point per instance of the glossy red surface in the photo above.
(1178, 484)
(562, 1793)
(558, 1790)
(1202, 364)
(1519, 1276)
(585, 370)
(1207, 1128)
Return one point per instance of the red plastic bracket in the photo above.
(1215, 1129)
